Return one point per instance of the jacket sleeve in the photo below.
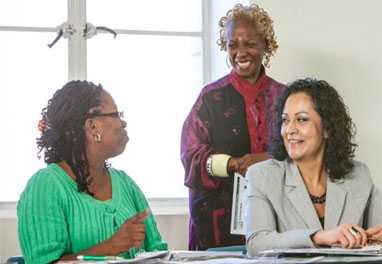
(374, 208)
(196, 148)
(261, 222)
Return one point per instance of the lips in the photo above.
(294, 142)
(243, 65)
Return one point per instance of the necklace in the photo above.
(318, 199)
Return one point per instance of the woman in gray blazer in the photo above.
(312, 193)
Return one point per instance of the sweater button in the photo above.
(110, 210)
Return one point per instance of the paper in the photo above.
(143, 257)
(238, 204)
(374, 250)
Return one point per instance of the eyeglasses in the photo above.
(116, 114)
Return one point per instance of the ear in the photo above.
(91, 126)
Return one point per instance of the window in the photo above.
(154, 70)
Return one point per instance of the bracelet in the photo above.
(217, 165)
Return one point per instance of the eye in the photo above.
(231, 45)
(284, 120)
(302, 119)
(252, 44)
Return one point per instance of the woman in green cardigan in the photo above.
(78, 204)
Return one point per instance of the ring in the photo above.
(352, 231)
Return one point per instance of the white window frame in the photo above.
(77, 70)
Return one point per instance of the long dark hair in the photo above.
(339, 148)
(63, 138)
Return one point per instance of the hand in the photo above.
(241, 164)
(341, 235)
(375, 232)
(130, 234)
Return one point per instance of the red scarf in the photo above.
(254, 108)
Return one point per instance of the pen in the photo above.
(98, 258)
(353, 231)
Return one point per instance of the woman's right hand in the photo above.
(342, 235)
(130, 234)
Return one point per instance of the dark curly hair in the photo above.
(339, 148)
(63, 138)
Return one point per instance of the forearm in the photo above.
(105, 248)
(264, 240)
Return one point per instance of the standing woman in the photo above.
(78, 204)
(227, 128)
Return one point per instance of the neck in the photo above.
(255, 77)
(97, 170)
(312, 172)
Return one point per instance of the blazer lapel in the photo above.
(299, 197)
(335, 203)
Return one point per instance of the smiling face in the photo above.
(302, 130)
(245, 47)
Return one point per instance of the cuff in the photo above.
(217, 165)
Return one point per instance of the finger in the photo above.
(377, 235)
(372, 231)
(357, 236)
(362, 234)
(140, 217)
(139, 228)
(349, 237)
(343, 241)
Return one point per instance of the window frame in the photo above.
(77, 69)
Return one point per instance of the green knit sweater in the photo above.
(55, 219)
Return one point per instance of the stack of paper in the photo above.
(374, 250)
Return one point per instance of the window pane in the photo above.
(30, 73)
(168, 15)
(155, 80)
(35, 13)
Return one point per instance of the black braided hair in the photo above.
(63, 138)
(340, 147)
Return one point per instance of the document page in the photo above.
(238, 203)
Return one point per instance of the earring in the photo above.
(228, 62)
(98, 137)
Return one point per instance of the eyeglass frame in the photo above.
(116, 114)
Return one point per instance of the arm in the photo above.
(153, 240)
(41, 222)
(261, 222)
(195, 149)
(130, 235)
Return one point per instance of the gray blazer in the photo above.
(280, 214)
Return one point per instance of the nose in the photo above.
(124, 124)
(291, 128)
(241, 51)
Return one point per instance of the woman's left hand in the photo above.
(374, 232)
(241, 164)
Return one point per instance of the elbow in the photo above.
(254, 245)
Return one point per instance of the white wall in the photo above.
(339, 41)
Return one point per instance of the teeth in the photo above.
(244, 65)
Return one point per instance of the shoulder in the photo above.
(212, 92)
(45, 187)
(359, 178)
(123, 180)
(273, 84)
(47, 177)
(267, 173)
(220, 83)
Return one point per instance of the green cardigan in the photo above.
(55, 219)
